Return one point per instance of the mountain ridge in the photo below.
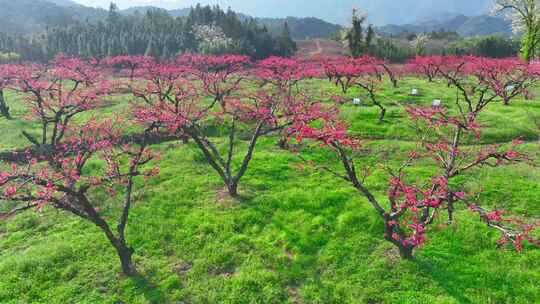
(380, 12)
(28, 16)
(39, 14)
(465, 26)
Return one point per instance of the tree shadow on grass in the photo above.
(451, 282)
(461, 277)
(147, 289)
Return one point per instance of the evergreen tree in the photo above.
(355, 37)
(369, 38)
(360, 38)
(287, 44)
(113, 13)
(153, 33)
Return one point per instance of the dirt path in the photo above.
(319, 48)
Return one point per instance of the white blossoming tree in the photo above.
(212, 40)
(419, 44)
(525, 18)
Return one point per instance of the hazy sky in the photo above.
(337, 11)
(257, 8)
(170, 4)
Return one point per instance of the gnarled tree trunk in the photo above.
(4, 109)
(125, 254)
(123, 251)
(406, 252)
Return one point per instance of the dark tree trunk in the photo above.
(232, 187)
(406, 252)
(374, 100)
(123, 251)
(283, 143)
(382, 113)
(392, 76)
(125, 254)
(394, 235)
(4, 109)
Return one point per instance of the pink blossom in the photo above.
(10, 191)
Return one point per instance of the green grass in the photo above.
(297, 236)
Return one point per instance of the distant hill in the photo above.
(301, 28)
(464, 25)
(140, 10)
(65, 3)
(27, 16)
(181, 12)
(380, 12)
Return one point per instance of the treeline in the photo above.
(363, 40)
(400, 50)
(207, 30)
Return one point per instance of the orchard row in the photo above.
(182, 99)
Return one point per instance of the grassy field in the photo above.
(297, 235)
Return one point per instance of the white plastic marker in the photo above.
(436, 103)
(357, 102)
